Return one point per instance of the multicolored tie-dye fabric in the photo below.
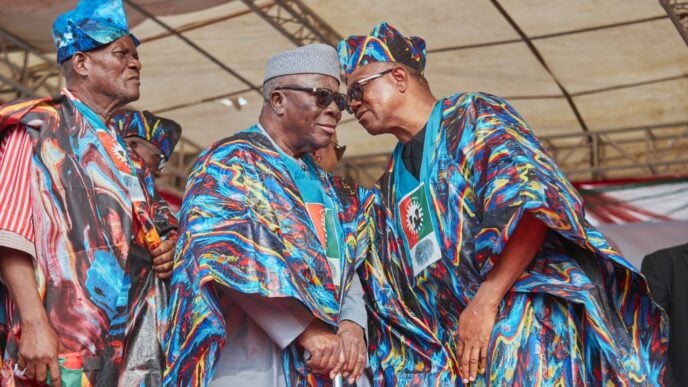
(161, 132)
(383, 44)
(579, 315)
(93, 268)
(91, 24)
(245, 227)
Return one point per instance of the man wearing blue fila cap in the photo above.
(85, 244)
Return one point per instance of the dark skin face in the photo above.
(148, 152)
(327, 156)
(380, 95)
(304, 125)
(108, 77)
(394, 101)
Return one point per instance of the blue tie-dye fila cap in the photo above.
(92, 24)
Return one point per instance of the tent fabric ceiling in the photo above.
(622, 62)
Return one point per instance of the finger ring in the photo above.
(17, 372)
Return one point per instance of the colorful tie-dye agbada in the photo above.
(89, 238)
(579, 315)
(245, 227)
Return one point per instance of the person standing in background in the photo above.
(153, 138)
(666, 272)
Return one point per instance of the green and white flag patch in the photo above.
(323, 220)
(418, 229)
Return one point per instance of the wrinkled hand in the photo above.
(163, 258)
(354, 348)
(327, 357)
(475, 329)
(39, 347)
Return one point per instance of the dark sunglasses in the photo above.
(356, 90)
(338, 150)
(323, 97)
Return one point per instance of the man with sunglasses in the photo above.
(151, 137)
(265, 290)
(82, 234)
(497, 278)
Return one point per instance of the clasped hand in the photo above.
(332, 354)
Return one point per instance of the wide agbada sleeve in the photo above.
(215, 231)
(512, 174)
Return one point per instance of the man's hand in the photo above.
(163, 258)
(354, 348)
(39, 347)
(475, 329)
(325, 348)
(478, 319)
(38, 344)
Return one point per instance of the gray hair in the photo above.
(269, 86)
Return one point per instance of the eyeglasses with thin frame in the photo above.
(356, 90)
(323, 97)
(162, 161)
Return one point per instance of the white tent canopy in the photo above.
(567, 66)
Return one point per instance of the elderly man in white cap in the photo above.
(265, 290)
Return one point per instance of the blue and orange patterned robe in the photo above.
(93, 266)
(245, 227)
(580, 314)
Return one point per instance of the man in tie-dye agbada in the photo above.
(153, 138)
(496, 277)
(264, 289)
(82, 234)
